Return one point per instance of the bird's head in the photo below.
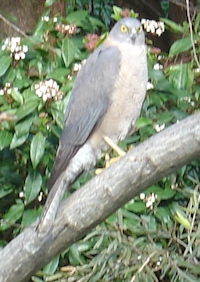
(128, 30)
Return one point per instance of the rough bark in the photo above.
(143, 166)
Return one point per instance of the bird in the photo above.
(105, 102)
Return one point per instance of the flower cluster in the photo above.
(7, 89)
(159, 127)
(91, 41)
(148, 199)
(77, 67)
(67, 29)
(47, 19)
(153, 26)
(18, 51)
(48, 90)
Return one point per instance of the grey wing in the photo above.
(90, 99)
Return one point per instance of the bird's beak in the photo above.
(133, 34)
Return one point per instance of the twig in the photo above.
(13, 26)
(182, 5)
(191, 33)
(144, 264)
(21, 32)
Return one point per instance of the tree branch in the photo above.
(143, 166)
(13, 26)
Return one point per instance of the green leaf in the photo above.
(167, 194)
(117, 13)
(5, 191)
(180, 46)
(164, 86)
(59, 75)
(22, 82)
(182, 219)
(57, 111)
(155, 75)
(22, 128)
(96, 22)
(58, 117)
(48, 3)
(17, 96)
(172, 25)
(30, 216)
(51, 267)
(26, 109)
(36, 279)
(5, 139)
(179, 215)
(142, 122)
(68, 51)
(37, 148)
(164, 117)
(163, 214)
(18, 141)
(13, 214)
(37, 36)
(197, 23)
(77, 17)
(181, 76)
(136, 206)
(75, 256)
(162, 194)
(150, 222)
(5, 62)
(32, 186)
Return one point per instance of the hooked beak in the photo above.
(133, 34)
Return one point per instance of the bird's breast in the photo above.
(127, 97)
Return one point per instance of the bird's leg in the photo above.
(109, 160)
(116, 148)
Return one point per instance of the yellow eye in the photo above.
(123, 28)
(139, 29)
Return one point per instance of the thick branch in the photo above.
(146, 164)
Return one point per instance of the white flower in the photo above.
(153, 26)
(18, 51)
(1, 92)
(45, 18)
(48, 89)
(158, 66)
(159, 127)
(149, 85)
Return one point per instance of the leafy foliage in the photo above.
(154, 237)
(30, 119)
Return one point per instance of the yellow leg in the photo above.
(109, 160)
(116, 148)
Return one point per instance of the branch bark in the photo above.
(143, 166)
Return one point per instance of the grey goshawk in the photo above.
(106, 100)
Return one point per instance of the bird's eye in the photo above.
(139, 29)
(123, 28)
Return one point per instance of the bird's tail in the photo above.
(51, 206)
(83, 160)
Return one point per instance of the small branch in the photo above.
(17, 29)
(22, 33)
(191, 34)
(143, 265)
